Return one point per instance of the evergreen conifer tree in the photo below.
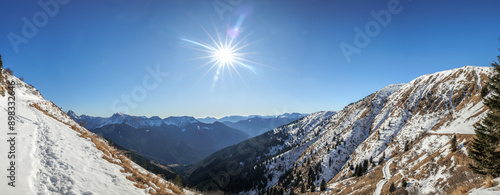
(365, 166)
(404, 183)
(323, 185)
(357, 171)
(392, 188)
(484, 150)
(454, 143)
(381, 160)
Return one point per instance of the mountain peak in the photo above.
(207, 119)
(119, 114)
(155, 118)
(72, 114)
(180, 120)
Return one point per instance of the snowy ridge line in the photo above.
(74, 126)
(45, 163)
(56, 160)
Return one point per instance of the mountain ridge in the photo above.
(376, 128)
(256, 125)
(236, 118)
(92, 122)
(252, 125)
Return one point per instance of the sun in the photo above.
(224, 54)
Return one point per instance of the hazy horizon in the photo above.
(218, 118)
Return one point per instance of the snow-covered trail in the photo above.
(51, 158)
(387, 175)
(386, 171)
(25, 148)
(68, 164)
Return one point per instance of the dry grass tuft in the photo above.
(364, 184)
(477, 182)
(490, 182)
(461, 190)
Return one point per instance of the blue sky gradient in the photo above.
(91, 53)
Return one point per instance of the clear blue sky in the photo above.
(89, 53)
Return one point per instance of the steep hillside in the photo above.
(49, 153)
(428, 166)
(405, 125)
(242, 164)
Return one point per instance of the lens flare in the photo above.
(223, 54)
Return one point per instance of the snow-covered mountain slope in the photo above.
(243, 162)
(420, 114)
(91, 122)
(440, 103)
(50, 154)
(415, 128)
(444, 102)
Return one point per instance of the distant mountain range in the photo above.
(255, 125)
(179, 139)
(91, 122)
(172, 140)
(236, 118)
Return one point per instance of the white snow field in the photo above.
(50, 157)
